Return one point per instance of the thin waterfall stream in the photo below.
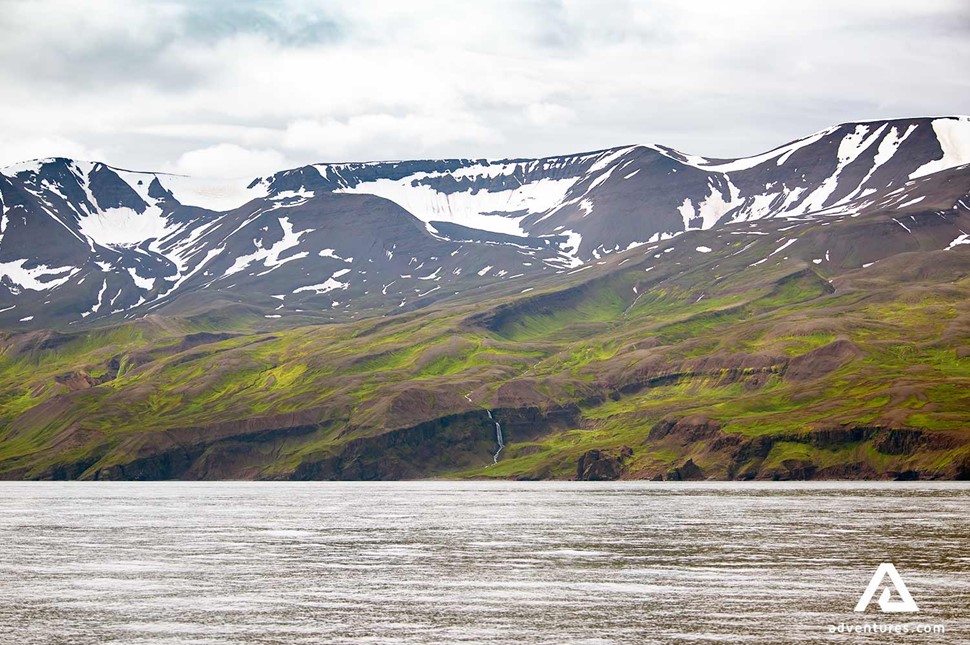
(498, 437)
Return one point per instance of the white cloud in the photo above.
(385, 134)
(227, 160)
(42, 146)
(546, 114)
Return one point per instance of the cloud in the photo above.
(173, 83)
(545, 114)
(227, 160)
(14, 150)
(385, 134)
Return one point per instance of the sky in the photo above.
(246, 87)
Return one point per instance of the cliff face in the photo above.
(675, 449)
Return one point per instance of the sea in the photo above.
(437, 562)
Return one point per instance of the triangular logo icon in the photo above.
(905, 604)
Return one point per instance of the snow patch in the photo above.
(212, 194)
(270, 257)
(954, 138)
(330, 284)
(962, 239)
(782, 247)
(100, 300)
(302, 194)
(142, 283)
(473, 208)
(32, 278)
(431, 276)
(123, 227)
(714, 206)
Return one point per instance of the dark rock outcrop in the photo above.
(794, 470)
(963, 470)
(603, 465)
(905, 476)
(899, 441)
(743, 457)
(686, 429)
(688, 471)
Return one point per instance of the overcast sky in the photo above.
(240, 88)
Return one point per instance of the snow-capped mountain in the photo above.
(640, 194)
(82, 241)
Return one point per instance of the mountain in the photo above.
(83, 242)
(632, 312)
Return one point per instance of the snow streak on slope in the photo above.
(780, 155)
(887, 148)
(851, 147)
(872, 145)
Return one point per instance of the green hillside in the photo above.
(662, 362)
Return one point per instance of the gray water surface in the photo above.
(476, 562)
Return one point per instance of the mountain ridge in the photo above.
(146, 247)
(345, 162)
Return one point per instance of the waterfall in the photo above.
(498, 437)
